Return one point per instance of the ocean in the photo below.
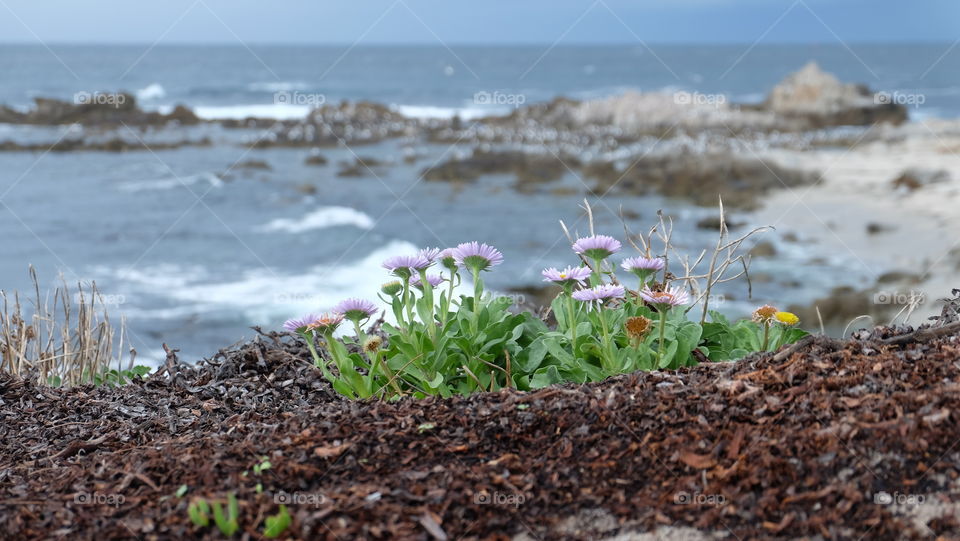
(193, 259)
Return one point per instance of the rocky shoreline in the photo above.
(761, 158)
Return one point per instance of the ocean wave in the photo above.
(154, 91)
(321, 218)
(277, 86)
(262, 296)
(168, 183)
(278, 111)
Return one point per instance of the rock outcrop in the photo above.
(99, 109)
(821, 100)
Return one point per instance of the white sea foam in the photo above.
(153, 91)
(262, 296)
(466, 113)
(278, 111)
(168, 183)
(320, 219)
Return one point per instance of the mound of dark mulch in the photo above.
(834, 440)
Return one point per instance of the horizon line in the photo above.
(462, 44)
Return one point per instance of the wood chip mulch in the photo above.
(835, 440)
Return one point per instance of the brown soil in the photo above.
(802, 444)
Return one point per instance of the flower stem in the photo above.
(308, 338)
(428, 298)
(572, 323)
(766, 335)
(381, 360)
(407, 304)
(597, 277)
(663, 329)
(361, 336)
(608, 351)
(445, 305)
(477, 294)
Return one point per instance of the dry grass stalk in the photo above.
(65, 340)
(726, 254)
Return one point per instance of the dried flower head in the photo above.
(669, 297)
(372, 344)
(787, 318)
(638, 327)
(326, 323)
(566, 277)
(764, 314)
(322, 323)
(355, 309)
(597, 246)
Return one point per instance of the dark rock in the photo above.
(700, 178)
(253, 164)
(529, 169)
(315, 159)
(763, 248)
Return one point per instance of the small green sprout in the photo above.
(199, 511)
(227, 524)
(277, 524)
(426, 426)
(181, 491)
(263, 466)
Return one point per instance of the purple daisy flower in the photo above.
(597, 246)
(447, 258)
(673, 296)
(567, 276)
(355, 309)
(433, 279)
(476, 256)
(322, 323)
(647, 264)
(430, 253)
(300, 324)
(405, 265)
(599, 294)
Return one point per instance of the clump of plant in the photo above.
(442, 344)
(66, 339)
(227, 521)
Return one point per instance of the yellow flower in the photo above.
(787, 318)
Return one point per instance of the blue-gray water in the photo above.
(193, 261)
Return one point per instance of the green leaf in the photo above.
(181, 491)
(535, 355)
(545, 376)
(717, 317)
(668, 356)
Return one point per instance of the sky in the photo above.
(477, 22)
